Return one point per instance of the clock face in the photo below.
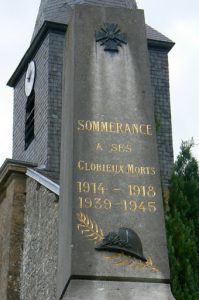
(30, 78)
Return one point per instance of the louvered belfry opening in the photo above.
(29, 119)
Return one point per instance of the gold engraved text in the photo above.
(131, 169)
(120, 148)
(96, 203)
(95, 167)
(125, 205)
(141, 190)
(139, 206)
(99, 147)
(90, 187)
(114, 168)
(114, 127)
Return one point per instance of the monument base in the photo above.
(109, 290)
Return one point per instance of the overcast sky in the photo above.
(177, 19)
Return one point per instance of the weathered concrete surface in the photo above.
(39, 266)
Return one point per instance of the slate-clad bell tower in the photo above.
(37, 116)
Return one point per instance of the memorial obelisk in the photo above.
(112, 242)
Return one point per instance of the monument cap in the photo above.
(59, 11)
(126, 241)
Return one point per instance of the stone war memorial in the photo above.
(81, 201)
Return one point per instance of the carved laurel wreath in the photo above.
(91, 230)
(120, 259)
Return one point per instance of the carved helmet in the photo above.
(126, 241)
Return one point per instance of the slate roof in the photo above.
(59, 11)
(153, 34)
